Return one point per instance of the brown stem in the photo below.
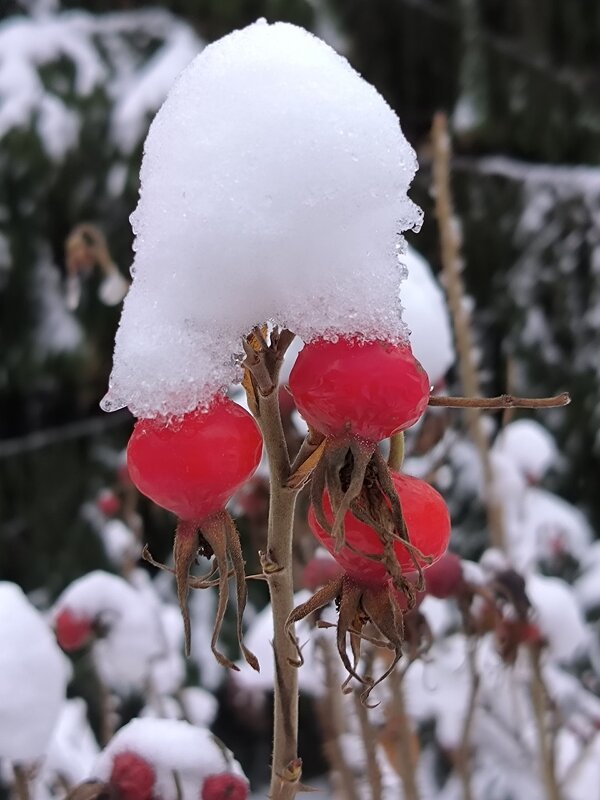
(106, 703)
(463, 755)
(281, 590)
(369, 743)
(331, 717)
(21, 782)
(502, 401)
(263, 364)
(404, 730)
(539, 699)
(451, 269)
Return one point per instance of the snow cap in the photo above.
(273, 187)
(426, 315)
(530, 446)
(33, 678)
(170, 746)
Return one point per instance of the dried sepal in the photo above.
(215, 537)
(237, 560)
(342, 492)
(220, 534)
(322, 597)
(359, 606)
(207, 581)
(185, 549)
(356, 478)
(303, 473)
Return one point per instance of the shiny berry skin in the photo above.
(224, 787)
(193, 465)
(73, 631)
(132, 777)
(370, 390)
(444, 578)
(427, 521)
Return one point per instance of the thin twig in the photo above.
(502, 401)
(331, 715)
(105, 700)
(451, 269)
(404, 732)
(369, 742)
(21, 782)
(539, 699)
(463, 755)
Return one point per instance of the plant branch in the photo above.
(539, 698)
(263, 361)
(369, 742)
(403, 731)
(502, 401)
(21, 782)
(451, 269)
(463, 755)
(105, 699)
(331, 717)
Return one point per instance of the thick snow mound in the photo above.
(558, 617)
(273, 187)
(33, 678)
(426, 314)
(132, 642)
(72, 749)
(530, 446)
(170, 746)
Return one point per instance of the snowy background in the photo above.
(78, 89)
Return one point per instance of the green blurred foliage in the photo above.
(526, 70)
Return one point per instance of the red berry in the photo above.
(73, 631)
(427, 521)
(530, 633)
(445, 577)
(370, 389)
(319, 571)
(224, 787)
(108, 503)
(132, 777)
(193, 465)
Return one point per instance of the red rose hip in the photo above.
(366, 389)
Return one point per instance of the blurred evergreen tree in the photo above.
(518, 77)
(78, 90)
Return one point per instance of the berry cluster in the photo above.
(382, 527)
